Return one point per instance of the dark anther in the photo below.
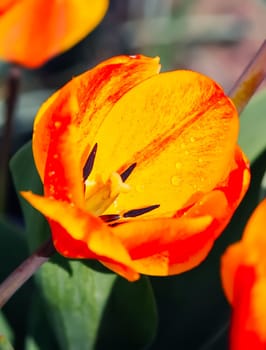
(141, 211)
(125, 174)
(110, 217)
(90, 161)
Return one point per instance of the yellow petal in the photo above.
(89, 98)
(179, 128)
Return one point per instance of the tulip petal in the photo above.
(168, 246)
(242, 334)
(77, 234)
(79, 108)
(5, 5)
(180, 129)
(28, 40)
(244, 281)
(171, 246)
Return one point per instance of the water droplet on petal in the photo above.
(192, 139)
(175, 180)
(195, 186)
(51, 173)
(57, 124)
(183, 145)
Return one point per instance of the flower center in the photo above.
(99, 195)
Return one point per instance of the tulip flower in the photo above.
(34, 31)
(140, 170)
(244, 281)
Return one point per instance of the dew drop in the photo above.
(195, 186)
(57, 124)
(51, 173)
(192, 139)
(175, 180)
(55, 156)
(183, 145)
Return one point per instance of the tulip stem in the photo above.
(24, 271)
(250, 79)
(12, 92)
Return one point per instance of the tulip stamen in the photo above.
(110, 217)
(140, 211)
(125, 174)
(90, 162)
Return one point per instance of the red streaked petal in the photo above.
(89, 98)
(86, 235)
(243, 333)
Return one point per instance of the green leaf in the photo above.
(252, 127)
(130, 318)
(86, 305)
(25, 177)
(5, 329)
(76, 296)
(4, 343)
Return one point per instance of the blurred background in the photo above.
(214, 37)
(217, 38)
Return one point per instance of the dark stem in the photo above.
(12, 92)
(251, 78)
(24, 271)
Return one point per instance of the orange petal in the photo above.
(169, 246)
(87, 99)
(244, 281)
(30, 41)
(5, 5)
(180, 129)
(243, 336)
(249, 251)
(77, 234)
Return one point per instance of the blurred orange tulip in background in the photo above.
(141, 170)
(244, 281)
(34, 31)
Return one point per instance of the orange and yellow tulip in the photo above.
(140, 170)
(243, 273)
(34, 31)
